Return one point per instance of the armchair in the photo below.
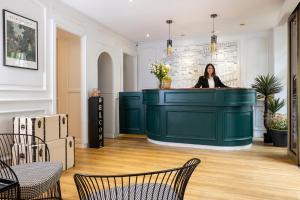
(25, 160)
(159, 185)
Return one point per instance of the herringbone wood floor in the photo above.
(262, 172)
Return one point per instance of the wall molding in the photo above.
(23, 89)
(41, 86)
(25, 100)
(22, 111)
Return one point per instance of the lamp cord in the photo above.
(169, 31)
(213, 26)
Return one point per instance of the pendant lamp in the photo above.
(213, 39)
(169, 41)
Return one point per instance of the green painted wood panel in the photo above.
(189, 97)
(131, 112)
(196, 125)
(237, 126)
(153, 122)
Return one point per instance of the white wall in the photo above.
(28, 92)
(24, 91)
(280, 40)
(129, 73)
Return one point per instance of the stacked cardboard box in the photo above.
(53, 129)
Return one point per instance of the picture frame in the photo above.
(20, 41)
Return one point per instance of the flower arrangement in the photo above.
(279, 122)
(160, 70)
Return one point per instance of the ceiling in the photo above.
(135, 19)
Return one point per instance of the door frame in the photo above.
(78, 31)
(293, 155)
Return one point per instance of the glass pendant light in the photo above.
(169, 41)
(213, 39)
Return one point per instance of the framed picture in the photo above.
(20, 40)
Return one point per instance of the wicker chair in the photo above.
(159, 185)
(25, 159)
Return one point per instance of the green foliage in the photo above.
(267, 85)
(279, 122)
(160, 70)
(275, 104)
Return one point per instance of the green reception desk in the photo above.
(220, 118)
(210, 117)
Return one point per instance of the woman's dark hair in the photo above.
(206, 73)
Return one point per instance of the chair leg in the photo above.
(58, 190)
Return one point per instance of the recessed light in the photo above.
(148, 35)
(130, 1)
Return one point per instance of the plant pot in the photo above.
(166, 84)
(267, 137)
(279, 138)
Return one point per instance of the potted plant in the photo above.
(278, 130)
(167, 80)
(266, 86)
(160, 70)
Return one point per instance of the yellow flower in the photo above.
(160, 70)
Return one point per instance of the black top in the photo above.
(204, 82)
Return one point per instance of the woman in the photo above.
(209, 80)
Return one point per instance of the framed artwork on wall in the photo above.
(20, 41)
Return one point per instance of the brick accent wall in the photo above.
(188, 63)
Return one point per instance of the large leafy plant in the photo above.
(266, 86)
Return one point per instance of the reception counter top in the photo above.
(210, 117)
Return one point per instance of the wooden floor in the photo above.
(262, 172)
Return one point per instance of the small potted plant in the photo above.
(278, 130)
(167, 80)
(160, 70)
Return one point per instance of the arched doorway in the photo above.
(105, 84)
